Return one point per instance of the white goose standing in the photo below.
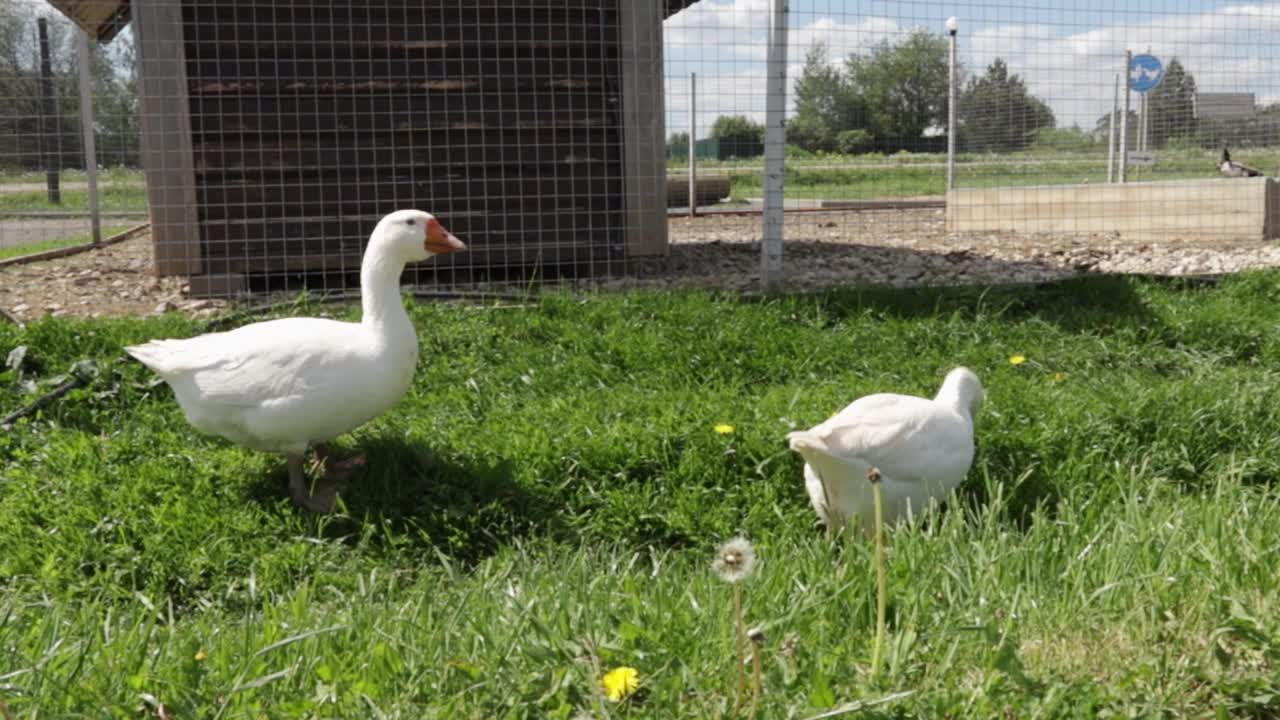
(284, 385)
(923, 449)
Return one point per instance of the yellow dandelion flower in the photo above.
(1017, 359)
(724, 429)
(620, 683)
(1059, 376)
(201, 656)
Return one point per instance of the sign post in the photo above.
(1145, 74)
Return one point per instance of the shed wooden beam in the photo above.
(166, 137)
(644, 135)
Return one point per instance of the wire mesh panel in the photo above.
(43, 188)
(1039, 183)
(581, 140)
(311, 120)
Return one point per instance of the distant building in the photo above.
(1224, 106)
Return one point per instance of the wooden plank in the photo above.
(383, 30)
(396, 83)
(380, 197)
(224, 68)
(508, 225)
(394, 151)
(644, 131)
(166, 137)
(291, 115)
(585, 246)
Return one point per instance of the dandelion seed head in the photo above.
(735, 560)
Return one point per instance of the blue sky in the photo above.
(1067, 55)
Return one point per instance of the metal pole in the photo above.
(87, 133)
(48, 114)
(693, 144)
(775, 148)
(1124, 118)
(1111, 138)
(953, 25)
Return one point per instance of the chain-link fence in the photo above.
(572, 140)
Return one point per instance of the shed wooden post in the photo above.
(643, 117)
(166, 136)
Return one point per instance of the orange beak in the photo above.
(440, 241)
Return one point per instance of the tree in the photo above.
(112, 72)
(996, 113)
(739, 136)
(903, 87)
(1171, 106)
(825, 104)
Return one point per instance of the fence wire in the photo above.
(596, 142)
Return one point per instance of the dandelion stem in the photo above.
(741, 632)
(881, 589)
(757, 671)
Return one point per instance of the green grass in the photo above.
(111, 198)
(862, 177)
(42, 246)
(545, 503)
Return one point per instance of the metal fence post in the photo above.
(693, 144)
(87, 133)
(953, 26)
(1124, 117)
(775, 148)
(48, 117)
(1111, 138)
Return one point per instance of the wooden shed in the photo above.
(276, 133)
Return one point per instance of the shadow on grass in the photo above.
(411, 497)
(1075, 304)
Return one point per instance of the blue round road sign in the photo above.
(1145, 73)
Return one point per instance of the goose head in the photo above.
(962, 390)
(409, 236)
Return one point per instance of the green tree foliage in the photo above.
(739, 136)
(883, 100)
(25, 130)
(1172, 106)
(903, 87)
(825, 104)
(996, 113)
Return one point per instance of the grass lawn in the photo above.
(33, 248)
(111, 198)
(545, 503)
(862, 177)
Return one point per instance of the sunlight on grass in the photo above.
(540, 511)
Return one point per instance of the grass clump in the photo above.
(539, 509)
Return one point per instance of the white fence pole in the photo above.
(775, 148)
(1124, 118)
(953, 25)
(86, 132)
(1111, 138)
(693, 144)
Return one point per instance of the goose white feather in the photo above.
(923, 448)
(284, 385)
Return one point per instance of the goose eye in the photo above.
(410, 221)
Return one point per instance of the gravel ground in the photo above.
(885, 248)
